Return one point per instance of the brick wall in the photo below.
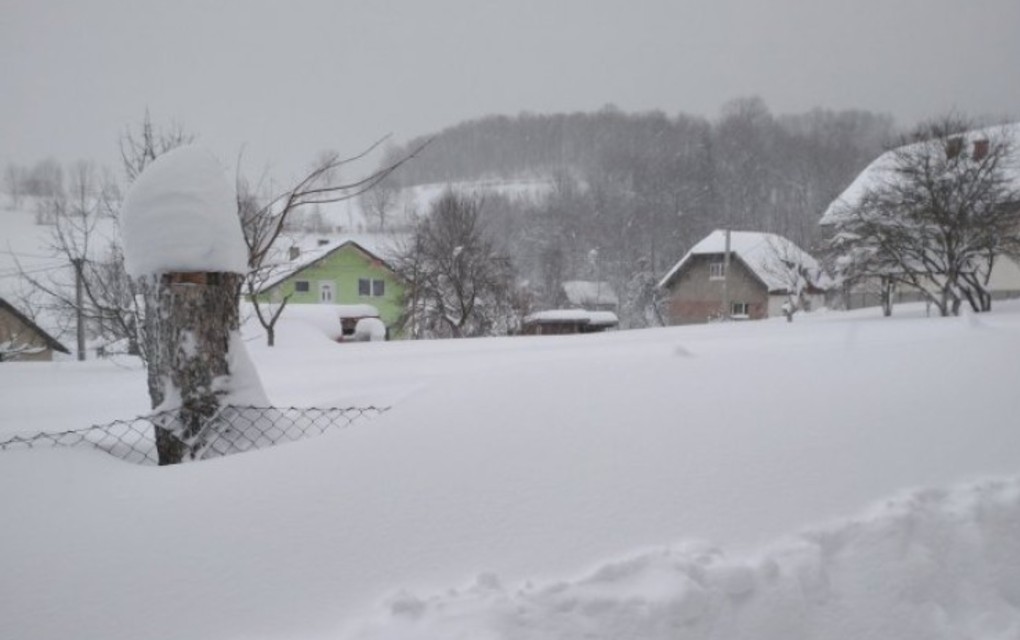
(694, 296)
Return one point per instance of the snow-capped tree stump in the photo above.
(183, 244)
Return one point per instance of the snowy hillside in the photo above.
(350, 216)
(549, 487)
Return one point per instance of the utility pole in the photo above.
(726, 277)
(78, 296)
(416, 284)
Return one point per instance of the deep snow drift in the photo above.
(550, 487)
(928, 565)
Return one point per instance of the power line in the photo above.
(28, 272)
(18, 254)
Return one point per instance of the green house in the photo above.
(340, 274)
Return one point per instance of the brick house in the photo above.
(766, 271)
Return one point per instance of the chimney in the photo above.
(323, 242)
(980, 149)
(295, 252)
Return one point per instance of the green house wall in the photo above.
(342, 269)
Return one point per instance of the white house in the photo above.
(1004, 280)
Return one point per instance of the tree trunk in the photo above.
(942, 302)
(188, 330)
(975, 305)
(887, 296)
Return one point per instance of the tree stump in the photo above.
(193, 315)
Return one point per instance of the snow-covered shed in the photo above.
(766, 271)
(567, 321)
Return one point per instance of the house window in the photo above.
(373, 288)
(717, 269)
(740, 310)
(301, 286)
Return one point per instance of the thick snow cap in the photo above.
(181, 215)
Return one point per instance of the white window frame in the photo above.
(327, 291)
(717, 269)
(745, 310)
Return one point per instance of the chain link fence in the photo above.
(233, 429)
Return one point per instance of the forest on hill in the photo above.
(631, 192)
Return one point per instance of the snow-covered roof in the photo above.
(181, 215)
(603, 319)
(882, 170)
(763, 253)
(356, 311)
(584, 293)
(284, 269)
(593, 318)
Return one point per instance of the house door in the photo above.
(325, 291)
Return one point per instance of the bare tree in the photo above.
(380, 201)
(946, 206)
(44, 179)
(139, 148)
(459, 285)
(796, 271)
(14, 185)
(92, 292)
(641, 302)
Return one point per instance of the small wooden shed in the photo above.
(568, 321)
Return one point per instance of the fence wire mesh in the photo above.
(233, 429)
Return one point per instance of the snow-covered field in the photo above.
(844, 476)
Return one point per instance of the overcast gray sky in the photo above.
(292, 78)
